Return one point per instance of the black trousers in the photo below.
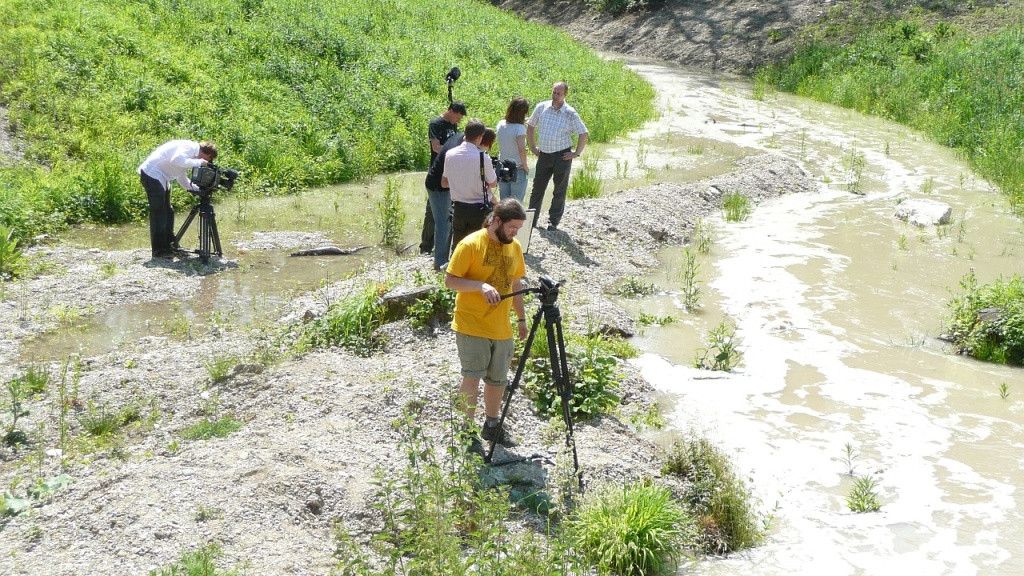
(466, 219)
(551, 165)
(427, 234)
(161, 214)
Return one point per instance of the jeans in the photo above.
(440, 202)
(548, 165)
(161, 215)
(515, 189)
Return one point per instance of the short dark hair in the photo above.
(474, 129)
(458, 107)
(208, 148)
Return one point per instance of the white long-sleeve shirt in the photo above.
(171, 161)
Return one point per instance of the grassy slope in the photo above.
(954, 72)
(297, 93)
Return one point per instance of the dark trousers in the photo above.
(548, 165)
(161, 214)
(466, 219)
(427, 235)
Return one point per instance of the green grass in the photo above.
(863, 496)
(206, 429)
(717, 497)
(297, 93)
(351, 323)
(963, 89)
(586, 183)
(736, 207)
(987, 321)
(634, 529)
(196, 563)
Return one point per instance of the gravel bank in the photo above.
(315, 427)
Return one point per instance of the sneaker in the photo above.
(553, 227)
(491, 434)
(475, 446)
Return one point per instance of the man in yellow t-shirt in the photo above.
(485, 266)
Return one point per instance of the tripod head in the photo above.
(547, 291)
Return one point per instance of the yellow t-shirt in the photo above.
(479, 258)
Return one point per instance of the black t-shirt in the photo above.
(433, 179)
(441, 130)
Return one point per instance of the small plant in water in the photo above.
(633, 287)
(854, 165)
(736, 207)
(722, 352)
(702, 236)
(849, 455)
(863, 496)
(1004, 391)
(690, 287)
(390, 214)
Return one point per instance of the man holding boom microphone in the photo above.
(487, 265)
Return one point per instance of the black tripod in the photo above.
(548, 293)
(209, 240)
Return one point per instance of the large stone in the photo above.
(922, 212)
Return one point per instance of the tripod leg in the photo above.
(204, 236)
(214, 236)
(510, 390)
(185, 225)
(563, 384)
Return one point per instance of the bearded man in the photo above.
(487, 265)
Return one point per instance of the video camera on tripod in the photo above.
(208, 179)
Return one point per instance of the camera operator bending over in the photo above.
(470, 178)
(486, 265)
(170, 161)
(557, 122)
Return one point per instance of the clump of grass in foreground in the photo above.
(716, 496)
(987, 322)
(634, 529)
(196, 563)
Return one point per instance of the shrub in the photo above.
(351, 323)
(987, 322)
(715, 495)
(633, 530)
(12, 262)
(196, 563)
(437, 306)
(586, 183)
(593, 374)
(390, 214)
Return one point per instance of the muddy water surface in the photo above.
(838, 306)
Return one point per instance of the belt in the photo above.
(562, 151)
(467, 203)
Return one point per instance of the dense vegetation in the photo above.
(987, 322)
(965, 90)
(297, 93)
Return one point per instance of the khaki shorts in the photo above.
(485, 358)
